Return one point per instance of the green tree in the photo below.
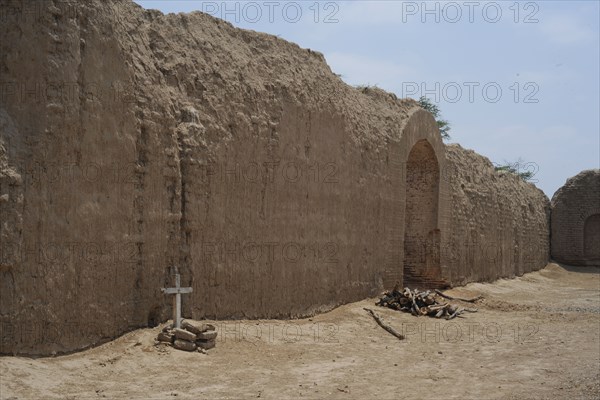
(525, 170)
(443, 125)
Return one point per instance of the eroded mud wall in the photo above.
(83, 252)
(576, 220)
(499, 225)
(134, 141)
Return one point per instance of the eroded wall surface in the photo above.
(576, 220)
(84, 168)
(133, 141)
(499, 226)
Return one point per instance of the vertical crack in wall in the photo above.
(184, 248)
(189, 137)
(11, 227)
(139, 200)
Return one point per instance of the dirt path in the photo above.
(537, 336)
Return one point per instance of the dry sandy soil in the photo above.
(536, 336)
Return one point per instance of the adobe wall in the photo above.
(81, 251)
(576, 220)
(133, 141)
(500, 224)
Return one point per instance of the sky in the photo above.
(518, 81)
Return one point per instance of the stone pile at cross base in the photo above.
(191, 336)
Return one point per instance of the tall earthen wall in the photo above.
(132, 141)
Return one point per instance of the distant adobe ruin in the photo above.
(132, 141)
(576, 220)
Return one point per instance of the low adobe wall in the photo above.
(276, 189)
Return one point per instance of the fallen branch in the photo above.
(473, 300)
(423, 303)
(383, 325)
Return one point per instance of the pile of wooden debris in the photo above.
(190, 337)
(424, 303)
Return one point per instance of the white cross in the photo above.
(177, 291)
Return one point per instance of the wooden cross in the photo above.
(177, 291)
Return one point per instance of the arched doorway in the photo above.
(591, 237)
(421, 234)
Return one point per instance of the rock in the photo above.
(166, 337)
(184, 335)
(184, 345)
(206, 344)
(196, 327)
(208, 335)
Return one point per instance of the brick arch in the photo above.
(420, 127)
(421, 233)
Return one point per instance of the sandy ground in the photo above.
(537, 336)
